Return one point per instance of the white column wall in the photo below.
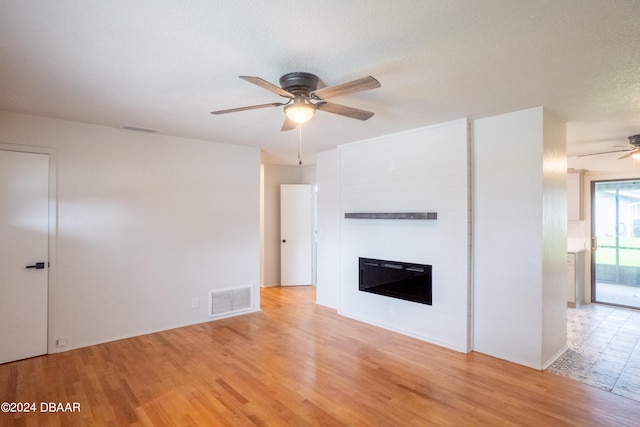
(554, 239)
(519, 239)
(145, 224)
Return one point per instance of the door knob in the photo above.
(284, 241)
(37, 265)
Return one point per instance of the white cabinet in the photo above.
(574, 194)
(575, 278)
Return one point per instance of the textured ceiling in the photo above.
(166, 64)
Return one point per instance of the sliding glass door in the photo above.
(615, 231)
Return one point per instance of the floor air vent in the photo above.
(224, 302)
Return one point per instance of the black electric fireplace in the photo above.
(411, 282)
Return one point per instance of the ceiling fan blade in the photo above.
(365, 83)
(343, 110)
(268, 86)
(603, 152)
(288, 124)
(630, 153)
(251, 107)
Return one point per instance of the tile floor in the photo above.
(604, 349)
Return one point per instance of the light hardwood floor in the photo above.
(297, 364)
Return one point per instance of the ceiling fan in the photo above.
(304, 97)
(634, 150)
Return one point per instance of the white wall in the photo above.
(422, 170)
(328, 246)
(273, 177)
(145, 223)
(519, 238)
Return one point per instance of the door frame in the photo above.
(589, 178)
(592, 230)
(53, 232)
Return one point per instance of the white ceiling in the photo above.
(166, 64)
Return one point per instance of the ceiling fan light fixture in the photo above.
(300, 111)
(636, 155)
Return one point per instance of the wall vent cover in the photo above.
(223, 302)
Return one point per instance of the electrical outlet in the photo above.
(61, 342)
(194, 302)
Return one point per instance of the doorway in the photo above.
(615, 242)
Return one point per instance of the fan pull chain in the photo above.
(300, 144)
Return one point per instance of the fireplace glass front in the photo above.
(410, 282)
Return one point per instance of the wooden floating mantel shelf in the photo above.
(391, 215)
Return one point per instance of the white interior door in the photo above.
(24, 236)
(296, 234)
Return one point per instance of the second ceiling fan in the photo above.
(632, 151)
(304, 97)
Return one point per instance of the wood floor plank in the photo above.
(297, 363)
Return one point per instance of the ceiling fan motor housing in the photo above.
(635, 140)
(299, 83)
